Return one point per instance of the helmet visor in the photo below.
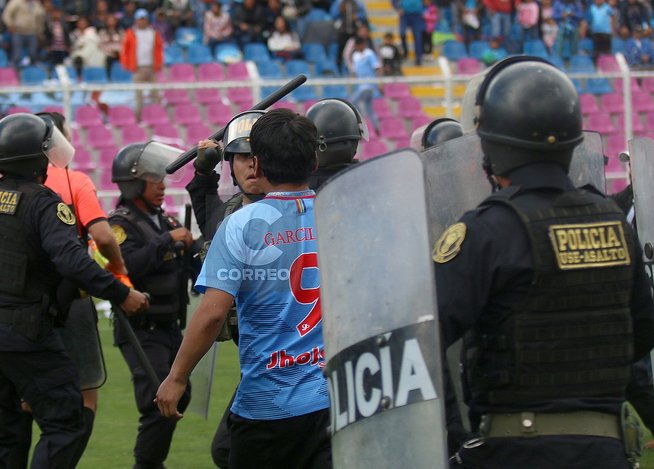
(469, 108)
(237, 132)
(151, 164)
(58, 149)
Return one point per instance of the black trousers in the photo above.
(297, 442)
(48, 382)
(155, 432)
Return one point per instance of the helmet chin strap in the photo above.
(488, 169)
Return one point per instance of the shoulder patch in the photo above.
(119, 233)
(449, 244)
(65, 214)
(9, 201)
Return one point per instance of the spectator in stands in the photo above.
(25, 21)
(499, 14)
(347, 21)
(179, 13)
(494, 53)
(161, 24)
(272, 10)
(364, 32)
(74, 10)
(430, 14)
(366, 65)
(142, 54)
(57, 38)
(470, 11)
(634, 13)
(111, 41)
(568, 15)
(600, 21)
(638, 50)
(248, 22)
(85, 46)
(528, 13)
(447, 19)
(549, 31)
(217, 26)
(127, 18)
(391, 56)
(283, 42)
(99, 20)
(410, 12)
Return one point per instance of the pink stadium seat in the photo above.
(107, 156)
(409, 107)
(617, 85)
(8, 76)
(614, 146)
(284, 105)
(195, 133)
(636, 123)
(237, 71)
(647, 84)
(612, 102)
(174, 97)
(308, 103)
(133, 134)
(181, 73)
(601, 123)
(154, 114)
(239, 95)
(100, 137)
(88, 116)
(402, 143)
(468, 66)
(371, 149)
(589, 104)
(211, 72)
(607, 63)
(105, 181)
(17, 109)
(419, 121)
(219, 114)
(120, 116)
(207, 96)
(245, 106)
(186, 114)
(393, 128)
(165, 132)
(382, 107)
(616, 185)
(76, 138)
(642, 101)
(396, 90)
(82, 160)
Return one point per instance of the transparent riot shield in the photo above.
(202, 381)
(379, 315)
(587, 166)
(641, 151)
(82, 342)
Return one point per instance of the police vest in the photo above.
(572, 335)
(23, 274)
(166, 286)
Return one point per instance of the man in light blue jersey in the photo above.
(264, 256)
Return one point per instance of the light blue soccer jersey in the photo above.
(265, 256)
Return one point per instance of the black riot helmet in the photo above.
(527, 111)
(28, 143)
(439, 131)
(236, 138)
(340, 127)
(140, 162)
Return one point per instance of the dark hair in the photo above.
(56, 117)
(285, 143)
(358, 40)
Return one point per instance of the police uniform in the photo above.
(155, 267)
(546, 284)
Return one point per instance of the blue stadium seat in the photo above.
(268, 90)
(94, 75)
(228, 52)
(33, 75)
(477, 49)
(269, 69)
(556, 61)
(617, 45)
(317, 14)
(304, 93)
(335, 91)
(535, 47)
(598, 86)
(327, 68)
(173, 55)
(197, 54)
(118, 74)
(256, 52)
(184, 36)
(295, 67)
(4, 60)
(332, 51)
(314, 53)
(585, 46)
(454, 50)
(581, 64)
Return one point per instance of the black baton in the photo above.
(271, 99)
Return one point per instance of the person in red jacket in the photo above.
(142, 54)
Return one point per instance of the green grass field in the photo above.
(117, 419)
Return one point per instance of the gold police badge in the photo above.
(119, 233)
(449, 244)
(64, 214)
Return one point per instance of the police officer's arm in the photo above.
(58, 238)
(201, 333)
(642, 308)
(203, 188)
(105, 240)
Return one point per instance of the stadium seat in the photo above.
(238, 71)
(198, 132)
(173, 55)
(297, 67)
(88, 116)
(335, 91)
(186, 114)
(327, 68)
(601, 123)
(33, 75)
(211, 72)
(581, 64)
(207, 96)
(185, 36)
(420, 121)
(121, 116)
(182, 73)
(636, 123)
(219, 114)
(82, 160)
(332, 51)
(617, 85)
(393, 128)
(197, 54)
(94, 75)
(8, 76)
(642, 101)
(133, 134)
(556, 61)
(256, 52)
(588, 104)
(454, 50)
(165, 132)
(617, 45)
(586, 46)
(58, 109)
(612, 103)
(368, 150)
(468, 66)
(304, 93)
(228, 52)
(107, 156)
(100, 137)
(314, 53)
(4, 60)
(409, 108)
(284, 105)
(396, 90)
(154, 114)
(598, 86)
(119, 75)
(477, 49)
(269, 69)
(174, 97)
(239, 95)
(607, 63)
(382, 108)
(535, 47)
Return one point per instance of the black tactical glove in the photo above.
(207, 160)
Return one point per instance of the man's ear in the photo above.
(258, 172)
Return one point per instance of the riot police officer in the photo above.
(152, 244)
(547, 283)
(340, 128)
(39, 246)
(437, 131)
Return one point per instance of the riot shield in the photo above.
(202, 379)
(379, 313)
(641, 159)
(82, 342)
(587, 166)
